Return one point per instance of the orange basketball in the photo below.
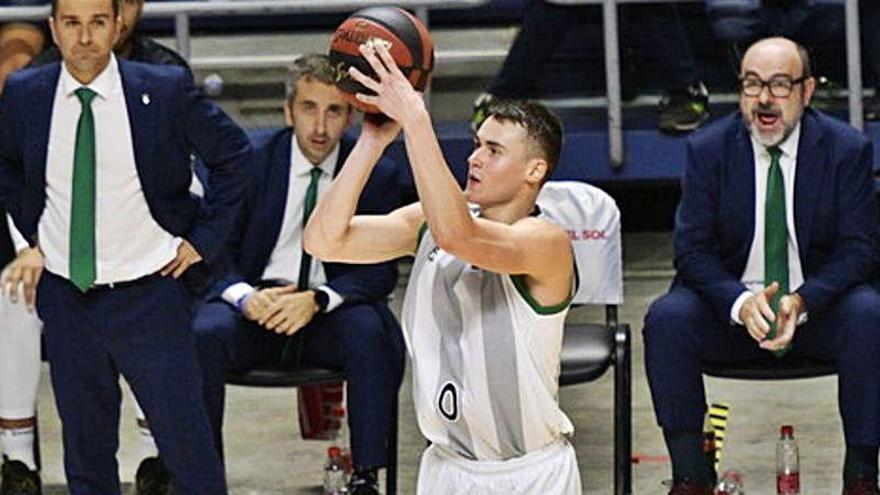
(404, 34)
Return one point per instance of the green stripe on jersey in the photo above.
(519, 281)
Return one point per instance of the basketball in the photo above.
(404, 34)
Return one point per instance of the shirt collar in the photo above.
(301, 166)
(789, 147)
(103, 85)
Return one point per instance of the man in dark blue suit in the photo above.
(335, 313)
(775, 244)
(95, 171)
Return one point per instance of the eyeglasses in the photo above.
(779, 86)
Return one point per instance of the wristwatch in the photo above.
(322, 299)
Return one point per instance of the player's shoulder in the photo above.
(540, 225)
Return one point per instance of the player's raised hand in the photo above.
(395, 96)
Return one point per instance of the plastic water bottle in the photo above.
(730, 484)
(334, 473)
(342, 439)
(788, 475)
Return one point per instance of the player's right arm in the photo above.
(335, 233)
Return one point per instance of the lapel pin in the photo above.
(145, 98)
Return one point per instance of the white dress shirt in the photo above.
(284, 262)
(753, 276)
(129, 242)
(18, 240)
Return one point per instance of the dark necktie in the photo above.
(775, 234)
(292, 351)
(82, 208)
(305, 265)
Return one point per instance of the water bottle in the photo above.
(334, 473)
(788, 476)
(730, 484)
(341, 439)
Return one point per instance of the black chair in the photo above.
(593, 221)
(771, 368)
(268, 376)
(587, 352)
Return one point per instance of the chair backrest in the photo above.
(592, 220)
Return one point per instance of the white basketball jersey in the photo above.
(485, 358)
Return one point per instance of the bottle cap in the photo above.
(733, 475)
(786, 431)
(334, 452)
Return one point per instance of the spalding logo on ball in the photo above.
(407, 40)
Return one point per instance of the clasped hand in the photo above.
(281, 309)
(757, 316)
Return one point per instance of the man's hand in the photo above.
(186, 257)
(791, 306)
(24, 270)
(395, 95)
(756, 313)
(256, 304)
(290, 312)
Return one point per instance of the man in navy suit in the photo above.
(95, 171)
(20, 336)
(272, 290)
(775, 244)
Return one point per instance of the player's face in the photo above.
(499, 165)
(85, 32)
(319, 115)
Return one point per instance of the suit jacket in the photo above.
(168, 117)
(835, 213)
(259, 222)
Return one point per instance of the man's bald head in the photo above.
(780, 47)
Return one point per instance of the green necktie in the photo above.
(775, 235)
(305, 264)
(292, 351)
(82, 204)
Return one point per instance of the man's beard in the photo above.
(766, 140)
(776, 138)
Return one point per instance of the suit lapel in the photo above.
(345, 146)
(743, 183)
(41, 106)
(277, 186)
(141, 117)
(808, 178)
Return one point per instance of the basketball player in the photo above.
(488, 292)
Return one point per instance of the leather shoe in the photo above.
(688, 487)
(152, 478)
(861, 486)
(18, 479)
(364, 483)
